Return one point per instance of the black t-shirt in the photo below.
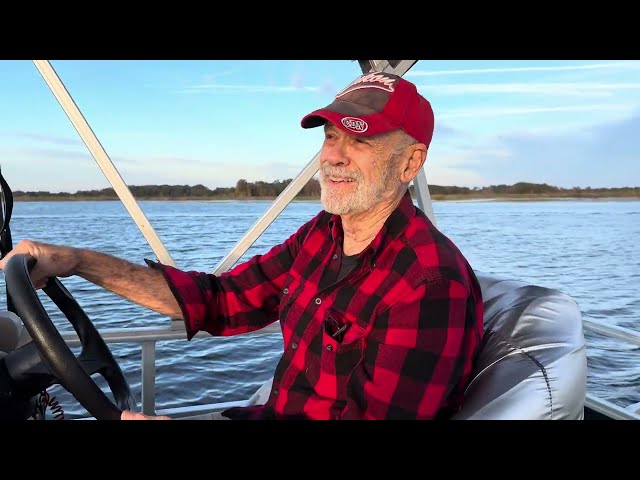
(332, 275)
(349, 262)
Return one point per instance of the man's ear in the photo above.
(417, 156)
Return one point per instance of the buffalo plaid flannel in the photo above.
(395, 339)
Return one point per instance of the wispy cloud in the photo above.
(471, 155)
(210, 77)
(328, 87)
(446, 175)
(158, 162)
(36, 155)
(447, 131)
(38, 137)
(542, 68)
(581, 89)
(604, 155)
(496, 112)
(220, 88)
(297, 80)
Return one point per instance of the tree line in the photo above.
(243, 189)
(260, 189)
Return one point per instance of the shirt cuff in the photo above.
(188, 294)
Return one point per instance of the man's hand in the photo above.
(129, 415)
(52, 260)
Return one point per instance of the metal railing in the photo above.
(147, 339)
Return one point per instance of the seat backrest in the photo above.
(532, 364)
(10, 331)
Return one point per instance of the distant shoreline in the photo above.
(437, 197)
(263, 191)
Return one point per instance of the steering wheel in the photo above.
(74, 373)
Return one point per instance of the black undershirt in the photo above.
(349, 262)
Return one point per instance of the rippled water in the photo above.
(585, 248)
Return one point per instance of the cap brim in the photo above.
(339, 113)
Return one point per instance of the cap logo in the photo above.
(370, 80)
(354, 124)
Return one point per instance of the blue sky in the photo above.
(565, 123)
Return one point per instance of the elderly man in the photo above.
(380, 312)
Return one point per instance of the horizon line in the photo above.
(289, 180)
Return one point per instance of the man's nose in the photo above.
(337, 154)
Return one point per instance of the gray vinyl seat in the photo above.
(533, 362)
(11, 330)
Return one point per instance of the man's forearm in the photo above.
(137, 283)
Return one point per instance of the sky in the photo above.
(561, 122)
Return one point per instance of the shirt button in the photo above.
(335, 256)
(285, 291)
(329, 347)
(318, 301)
(276, 391)
(294, 345)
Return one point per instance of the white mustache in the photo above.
(329, 171)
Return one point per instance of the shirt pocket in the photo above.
(341, 351)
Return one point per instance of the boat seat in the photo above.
(532, 364)
(11, 330)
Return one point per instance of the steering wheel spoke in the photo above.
(28, 372)
(74, 373)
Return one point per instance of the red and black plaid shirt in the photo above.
(411, 311)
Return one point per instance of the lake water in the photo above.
(588, 249)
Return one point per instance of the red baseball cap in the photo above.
(377, 103)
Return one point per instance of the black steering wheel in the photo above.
(74, 373)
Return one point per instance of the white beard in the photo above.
(364, 197)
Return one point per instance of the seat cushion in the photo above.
(10, 331)
(532, 363)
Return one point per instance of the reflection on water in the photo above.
(579, 247)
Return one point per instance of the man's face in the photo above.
(356, 173)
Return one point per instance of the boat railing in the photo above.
(147, 337)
